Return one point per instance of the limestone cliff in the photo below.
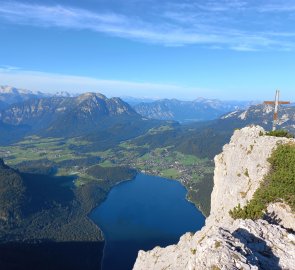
(224, 243)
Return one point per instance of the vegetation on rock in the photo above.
(280, 133)
(278, 185)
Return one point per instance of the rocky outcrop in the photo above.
(224, 243)
(239, 170)
(281, 213)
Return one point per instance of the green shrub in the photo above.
(280, 133)
(278, 185)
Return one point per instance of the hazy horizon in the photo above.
(124, 97)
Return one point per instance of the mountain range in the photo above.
(10, 95)
(107, 121)
(200, 109)
(88, 108)
(89, 114)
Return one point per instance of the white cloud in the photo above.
(52, 83)
(210, 23)
(8, 68)
(284, 7)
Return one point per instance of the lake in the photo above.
(143, 213)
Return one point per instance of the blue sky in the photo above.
(184, 49)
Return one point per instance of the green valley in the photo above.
(73, 156)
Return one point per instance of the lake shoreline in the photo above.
(151, 180)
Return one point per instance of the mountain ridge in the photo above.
(200, 109)
(50, 114)
(102, 121)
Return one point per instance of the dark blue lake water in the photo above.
(143, 213)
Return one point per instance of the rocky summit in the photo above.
(225, 243)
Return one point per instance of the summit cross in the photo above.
(276, 103)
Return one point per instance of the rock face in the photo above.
(224, 243)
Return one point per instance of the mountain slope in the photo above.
(198, 110)
(32, 206)
(11, 133)
(42, 217)
(3, 105)
(12, 196)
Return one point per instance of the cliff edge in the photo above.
(225, 243)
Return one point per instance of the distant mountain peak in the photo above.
(90, 95)
(200, 99)
(10, 95)
(63, 94)
(6, 89)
